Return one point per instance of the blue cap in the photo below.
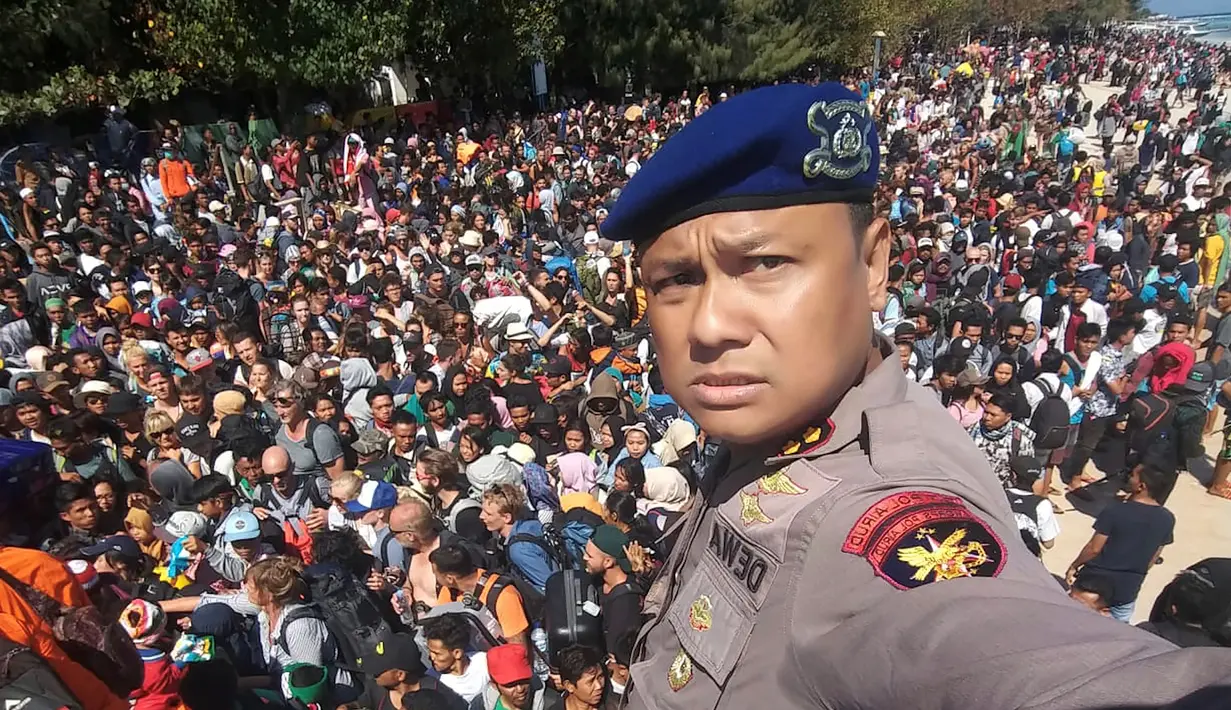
(241, 525)
(777, 146)
(374, 495)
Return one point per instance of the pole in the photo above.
(875, 58)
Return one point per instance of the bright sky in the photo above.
(1179, 8)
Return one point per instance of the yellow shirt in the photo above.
(1211, 253)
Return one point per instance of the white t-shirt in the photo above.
(1047, 527)
(471, 683)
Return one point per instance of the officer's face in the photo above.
(719, 286)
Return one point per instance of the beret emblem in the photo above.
(844, 151)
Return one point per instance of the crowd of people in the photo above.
(330, 424)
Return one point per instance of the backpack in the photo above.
(350, 460)
(98, 644)
(1050, 421)
(1061, 223)
(28, 683)
(1150, 419)
(462, 505)
(1026, 511)
(234, 303)
(356, 618)
(1065, 145)
(297, 540)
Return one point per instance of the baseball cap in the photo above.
(1200, 377)
(198, 359)
(397, 652)
(49, 381)
(121, 403)
(241, 525)
(142, 319)
(141, 287)
(306, 377)
(371, 441)
(521, 453)
(118, 544)
(1013, 282)
(507, 664)
(925, 242)
(374, 495)
(474, 260)
(971, 376)
(557, 366)
(216, 206)
(272, 221)
(517, 331)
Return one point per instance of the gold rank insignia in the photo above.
(680, 671)
(750, 510)
(779, 483)
(701, 614)
(814, 437)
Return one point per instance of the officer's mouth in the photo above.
(727, 390)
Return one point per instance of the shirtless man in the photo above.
(415, 529)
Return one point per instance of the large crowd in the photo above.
(375, 420)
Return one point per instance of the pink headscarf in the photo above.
(577, 472)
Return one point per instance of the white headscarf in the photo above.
(360, 150)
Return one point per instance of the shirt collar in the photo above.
(844, 424)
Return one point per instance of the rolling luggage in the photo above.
(572, 612)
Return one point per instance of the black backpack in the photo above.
(357, 618)
(1050, 421)
(28, 683)
(234, 303)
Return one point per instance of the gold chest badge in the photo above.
(701, 614)
(680, 671)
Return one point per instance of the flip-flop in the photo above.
(1220, 492)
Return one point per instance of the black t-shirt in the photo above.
(1135, 531)
(375, 697)
(619, 311)
(528, 391)
(193, 431)
(621, 613)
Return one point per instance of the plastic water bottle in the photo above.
(539, 638)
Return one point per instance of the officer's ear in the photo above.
(874, 255)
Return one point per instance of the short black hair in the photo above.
(1097, 584)
(1156, 479)
(861, 215)
(1003, 400)
(575, 661)
(215, 485)
(452, 632)
(1118, 327)
(70, 492)
(452, 559)
(379, 390)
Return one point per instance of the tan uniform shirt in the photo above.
(879, 567)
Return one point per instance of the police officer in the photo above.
(850, 547)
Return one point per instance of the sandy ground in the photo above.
(1202, 528)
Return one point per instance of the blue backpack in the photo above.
(1065, 145)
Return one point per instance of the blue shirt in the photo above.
(529, 559)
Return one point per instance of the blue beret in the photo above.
(777, 146)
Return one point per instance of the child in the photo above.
(139, 525)
(146, 625)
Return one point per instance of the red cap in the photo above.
(143, 319)
(507, 664)
(391, 215)
(1013, 281)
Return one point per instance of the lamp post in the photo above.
(878, 39)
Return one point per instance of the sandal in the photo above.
(1223, 491)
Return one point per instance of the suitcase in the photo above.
(572, 612)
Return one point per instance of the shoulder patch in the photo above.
(913, 538)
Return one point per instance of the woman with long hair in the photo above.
(291, 633)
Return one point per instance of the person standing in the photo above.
(1111, 384)
(1128, 539)
(724, 219)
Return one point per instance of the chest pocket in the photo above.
(710, 620)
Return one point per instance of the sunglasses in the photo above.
(161, 433)
(284, 402)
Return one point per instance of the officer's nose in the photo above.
(719, 322)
